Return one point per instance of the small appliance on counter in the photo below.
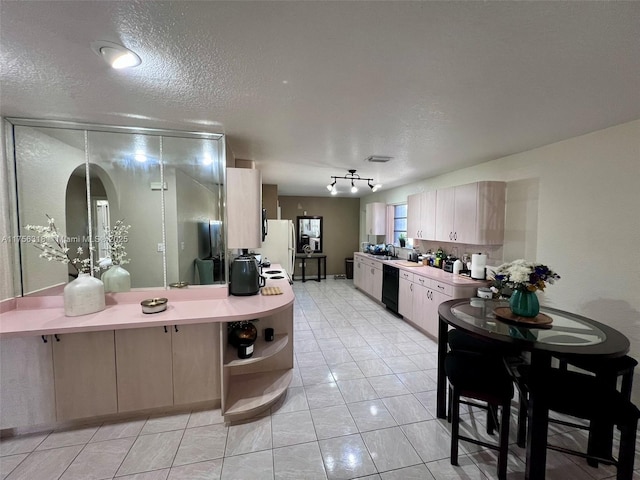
(245, 278)
(449, 262)
(412, 256)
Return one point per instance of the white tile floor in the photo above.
(361, 405)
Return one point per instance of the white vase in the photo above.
(83, 295)
(116, 279)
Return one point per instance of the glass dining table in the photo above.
(568, 335)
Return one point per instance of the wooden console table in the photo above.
(322, 262)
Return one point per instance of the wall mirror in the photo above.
(168, 185)
(309, 232)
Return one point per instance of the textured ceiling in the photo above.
(310, 89)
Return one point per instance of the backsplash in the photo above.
(493, 252)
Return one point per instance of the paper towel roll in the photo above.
(478, 265)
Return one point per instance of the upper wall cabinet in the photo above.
(472, 213)
(421, 215)
(376, 218)
(244, 208)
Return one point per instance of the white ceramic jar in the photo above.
(83, 295)
(116, 279)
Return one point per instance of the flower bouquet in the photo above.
(524, 278)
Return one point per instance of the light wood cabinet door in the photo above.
(428, 215)
(376, 283)
(465, 216)
(144, 368)
(405, 299)
(414, 215)
(376, 218)
(85, 375)
(27, 395)
(445, 205)
(244, 208)
(196, 363)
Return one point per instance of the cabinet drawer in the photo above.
(374, 264)
(406, 275)
(442, 288)
(422, 281)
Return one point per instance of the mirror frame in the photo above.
(10, 123)
(299, 221)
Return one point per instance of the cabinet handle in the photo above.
(165, 329)
(55, 335)
(411, 287)
(455, 235)
(440, 287)
(44, 339)
(176, 327)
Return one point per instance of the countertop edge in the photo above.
(51, 321)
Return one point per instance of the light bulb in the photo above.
(354, 189)
(330, 187)
(376, 187)
(334, 191)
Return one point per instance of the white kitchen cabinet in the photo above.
(244, 208)
(27, 396)
(196, 363)
(85, 375)
(358, 272)
(405, 295)
(471, 214)
(376, 218)
(421, 215)
(144, 368)
(368, 276)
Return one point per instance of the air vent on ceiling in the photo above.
(378, 159)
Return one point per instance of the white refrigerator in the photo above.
(280, 244)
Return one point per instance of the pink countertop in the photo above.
(430, 272)
(45, 315)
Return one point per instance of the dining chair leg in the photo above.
(503, 452)
(521, 438)
(492, 416)
(455, 425)
(626, 454)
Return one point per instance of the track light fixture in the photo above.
(353, 176)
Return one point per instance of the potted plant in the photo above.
(402, 239)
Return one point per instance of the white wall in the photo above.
(573, 205)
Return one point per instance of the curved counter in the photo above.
(120, 361)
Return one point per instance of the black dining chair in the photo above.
(461, 341)
(586, 397)
(608, 371)
(483, 378)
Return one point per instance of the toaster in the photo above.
(448, 265)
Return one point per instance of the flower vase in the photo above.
(524, 303)
(83, 295)
(116, 279)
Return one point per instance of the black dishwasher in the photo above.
(390, 282)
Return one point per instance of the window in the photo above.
(399, 222)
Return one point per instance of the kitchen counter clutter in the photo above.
(419, 289)
(430, 272)
(56, 369)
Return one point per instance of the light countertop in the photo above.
(45, 315)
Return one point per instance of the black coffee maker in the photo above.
(245, 278)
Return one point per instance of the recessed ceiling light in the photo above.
(115, 55)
